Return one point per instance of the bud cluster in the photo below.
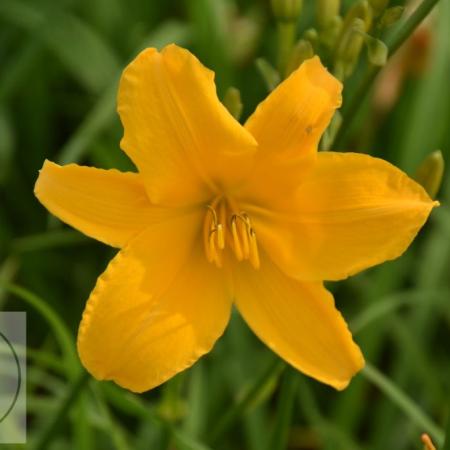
(338, 38)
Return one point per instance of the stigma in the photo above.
(225, 227)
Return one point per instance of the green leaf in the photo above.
(81, 50)
(285, 407)
(6, 145)
(62, 334)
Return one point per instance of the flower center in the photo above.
(226, 226)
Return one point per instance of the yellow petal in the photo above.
(353, 211)
(158, 307)
(299, 322)
(108, 205)
(179, 135)
(288, 126)
(294, 116)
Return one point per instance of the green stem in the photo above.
(52, 429)
(354, 103)
(114, 431)
(286, 39)
(395, 41)
(236, 411)
(403, 402)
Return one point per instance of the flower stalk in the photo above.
(286, 13)
(403, 402)
(326, 11)
(286, 40)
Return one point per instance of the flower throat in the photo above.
(225, 226)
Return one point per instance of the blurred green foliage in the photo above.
(59, 66)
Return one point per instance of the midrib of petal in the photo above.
(176, 104)
(148, 319)
(272, 311)
(103, 210)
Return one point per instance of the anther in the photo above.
(220, 237)
(212, 249)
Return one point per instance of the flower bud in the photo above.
(378, 6)
(377, 51)
(232, 102)
(430, 173)
(303, 50)
(326, 11)
(269, 74)
(350, 47)
(329, 36)
(356, 22)
(287, 10)
(359, 10)
(311, 35)
(391, 16)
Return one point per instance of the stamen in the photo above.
(254, 254)
(217, 231)
(237, 244)
(206, 237)
(212, 249)
(245, 216)
(242, 232)
(214, 214)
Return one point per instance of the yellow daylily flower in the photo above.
(221, 213)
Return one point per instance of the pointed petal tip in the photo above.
(356, 363)
(358, 200)
(342, 383)
(47, 165)
(107, 205)
(299, 322)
